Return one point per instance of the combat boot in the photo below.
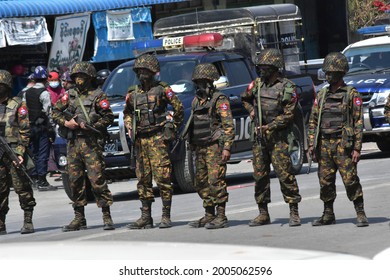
(362, 220)
(208, 217)
(295, 220)
(27, 225)
(3, 229)
(166, 214)
(263, 217)
(220, 220)
(146, 220)
(328, 217)
(107, 220)
(79, 222)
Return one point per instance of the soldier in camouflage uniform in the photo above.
(85, 147)
(14, 117)
(335, 139)
(211, 135)
(273, 98)
(148, 103)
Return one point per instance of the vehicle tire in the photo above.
(184, 170)
(68, 191)
(383, 144)
(297, 156)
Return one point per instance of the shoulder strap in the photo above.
(83, 108)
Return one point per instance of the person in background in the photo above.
(66, 81)
(101, 76)
(39, 106)
(30, 84)
(54, 87)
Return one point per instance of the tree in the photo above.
(365, 12)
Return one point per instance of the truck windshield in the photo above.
(368, 58)
(176, 73)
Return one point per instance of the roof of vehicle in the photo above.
(381, 40)
(200, 56)
(195, 22)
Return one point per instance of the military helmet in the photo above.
(103, 74)
(335, 62)
(205, 71)
(147, 61)
(83, 67)
(6, 78)
(271, 57)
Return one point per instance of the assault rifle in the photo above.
(68, 116)
(5, 148)
(183, 133)
(136, 116)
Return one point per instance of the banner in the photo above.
(119, 25)
(2, 38)
(106, 50)
(70, 34)
(26, 31)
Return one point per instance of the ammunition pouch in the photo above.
(347, 137)
(65, 132)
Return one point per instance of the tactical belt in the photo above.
(150, 133)
(332, 135)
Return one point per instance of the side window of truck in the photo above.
(237, 72)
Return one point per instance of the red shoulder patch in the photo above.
(169, 93)
(315, 102)
(224, 106)
(104, 104)
(23, 110)
(64, 98)
(358, 101)
(294, 96)
(250, 86)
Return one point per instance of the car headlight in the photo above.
(381, 98)
(62, 161)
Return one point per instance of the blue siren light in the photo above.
(374, 30)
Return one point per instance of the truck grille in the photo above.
(366, 96)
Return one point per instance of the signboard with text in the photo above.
(70, 34)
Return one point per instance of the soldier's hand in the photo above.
(72, 124)
(21, 160)
(82, 125)
(225, 155)
(130, 132)
(311, 153)
(355, 156)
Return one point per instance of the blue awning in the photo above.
(29, 8)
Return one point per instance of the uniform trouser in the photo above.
(210, 175)
(333, 157)
(85, 154)
(40, 146)
(10, 176)
(153, 163)
(277, 154)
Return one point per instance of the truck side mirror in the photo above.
(221, 83)
(321, 75)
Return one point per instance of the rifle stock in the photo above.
(14, 158)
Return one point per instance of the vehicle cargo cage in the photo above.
(248, 30)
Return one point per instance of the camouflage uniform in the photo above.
(14, 115)
(85, 147)
(278, 102)
(211, 132)
(335, 130)
(152, 142)
(387, 109)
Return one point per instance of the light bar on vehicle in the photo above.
(374, 30)
(209, 40)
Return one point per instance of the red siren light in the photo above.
(203, 40)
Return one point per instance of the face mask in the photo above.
(266, 73)
(333, 77)
(54, 84)
(82, 84)
(203, 88)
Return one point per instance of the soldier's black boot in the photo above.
(79, 222)
(208, 217)
(146, 220)
(3, 229)
(328, 217)
(295, 220)
(263, 217)
(362, 220)
(27, 224)
(107, 220)
(166, 214)
(220, 220)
